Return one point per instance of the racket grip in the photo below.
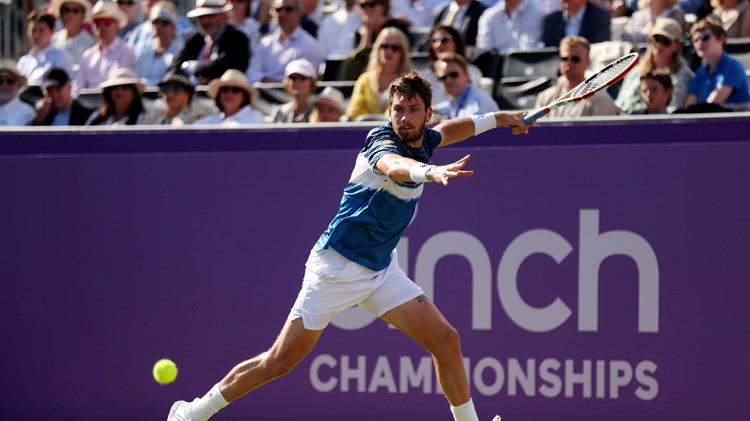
(530, 118)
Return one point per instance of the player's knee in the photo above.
(447, 344)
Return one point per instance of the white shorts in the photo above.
(333, 283)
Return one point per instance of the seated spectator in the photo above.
(154, 60)
(43, 55)
(734, 16)
(130, 8)
(175, 105)
(722, 79)
(243, 18)
(511, 24)
(465, 99)
(464, 16)
(579, 17)
(388, 60)
(640, 24)
(328, 106)
(234, 96)
(418, 14)
(144, 34)
(289, 42)
(218, 46)
(122, 101)
(110, 52)
(57, 107)
(656, 88)
(13, 111)
(336, 32)
(664, 52)
(73, 38)
(446, 39)
(300, 84)
(375, 17)
(574, 60)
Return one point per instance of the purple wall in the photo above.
(122, 248)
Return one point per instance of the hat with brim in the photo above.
(667, 27)
(108, 9)
(331, 97)
(122, 77)
(163, 10)
(209, 7)
(232, 77)
(9, 67)
(178, 78)
(57, 6)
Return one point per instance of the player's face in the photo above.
(408, 117)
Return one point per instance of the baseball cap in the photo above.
(301, 67)
(54, 76)
(667, 27)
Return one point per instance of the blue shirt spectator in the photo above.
(465, 98)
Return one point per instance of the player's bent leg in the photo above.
(292, 345)
(423, 322)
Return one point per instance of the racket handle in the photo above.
(530, 118)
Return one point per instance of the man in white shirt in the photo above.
(43, 54)
(13, 111)
(289, 42)
(336, 33)
(466, 99)
(511, 24)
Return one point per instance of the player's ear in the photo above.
(428, 114)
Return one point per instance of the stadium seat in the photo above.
(739, 49)
(331, 68)
(420, 61)
(538, 62)
(519, 93)
(488, 61)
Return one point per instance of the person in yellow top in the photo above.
(389, 59)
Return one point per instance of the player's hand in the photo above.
(514, 120)
(441, 173)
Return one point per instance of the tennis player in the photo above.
(355, 262)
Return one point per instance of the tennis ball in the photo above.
(165, 371)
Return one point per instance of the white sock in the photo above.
(465, 412)
(204, 408)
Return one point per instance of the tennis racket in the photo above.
(605, 77)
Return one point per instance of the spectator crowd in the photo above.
(236, 62)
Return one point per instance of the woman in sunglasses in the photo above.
(664, 52)
(447, 39)
(299, 83)
(721, 80)
(389, 59)
(644, 19)
(73, 37)
(122, 101)
(234, 96)
(175, 104)
(156, 57)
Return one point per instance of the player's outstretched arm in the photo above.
(459, 129)
(406, 170)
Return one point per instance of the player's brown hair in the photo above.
(410, 85)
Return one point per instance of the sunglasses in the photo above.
(232, 89)
(7, 81)
(441, 40)
(452, 75)
(285, 9)
(103, 21)
(173, 88)
(703, 37)
(296, 77)
(660, 39)
(126, 2)
(163, 22)
(368, 4)
(392, 47)
(75, 10)
(574, 59)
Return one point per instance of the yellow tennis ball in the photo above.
(165, 371)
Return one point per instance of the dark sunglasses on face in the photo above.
(661, 39)
(285, 9)
(574, 59)
(232, 89)
(392, 47)
(103, 21)
(75, 10)
(452, 75)
(702, 37)
(164, 22)
(441, 40)
(368, 4)
(126, 2)
(296, 77)
(173, 88)
(7, 81)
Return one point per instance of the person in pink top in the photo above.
(110, 52)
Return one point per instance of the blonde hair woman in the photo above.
(664, 52)
(640, 24)
(734, 16)
(389, 59)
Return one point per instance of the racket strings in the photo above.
(603, 77)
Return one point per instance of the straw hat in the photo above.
(331, 97)
(57, 5)
(209, 7)
(109, 9)
(120, 77)
(667, 27)
(10, 67)
(232, 77)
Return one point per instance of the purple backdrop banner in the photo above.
(595, 279)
